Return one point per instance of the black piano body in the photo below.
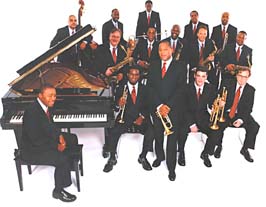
(79, 102)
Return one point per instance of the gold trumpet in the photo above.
(217, 112)
(167, 124)
(124, 96)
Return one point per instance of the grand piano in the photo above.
(79, 104)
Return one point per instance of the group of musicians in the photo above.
(153, 95)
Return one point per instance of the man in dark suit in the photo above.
(198, 97)
(165, 82)
(72, 56)
(202, 53)
(178, 44)
(239, 104)
(148, 18)
(131, 100)
(192, 28)
(109, 25)
(235, 54)
(146, 51)
(219, 32)
(43, 142)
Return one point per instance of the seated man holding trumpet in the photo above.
(131, 99)
(238, 108)
(198, 96)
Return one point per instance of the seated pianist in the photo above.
(131, 100)
(43, 143)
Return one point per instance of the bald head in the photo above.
(225, 18)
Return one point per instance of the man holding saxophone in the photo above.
(131, 101)
(165, 82)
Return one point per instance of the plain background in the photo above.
(28, 26)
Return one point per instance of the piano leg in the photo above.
(18, 135)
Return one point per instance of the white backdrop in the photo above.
(27, 28)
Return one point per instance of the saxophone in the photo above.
(206, 62)
(178, 52)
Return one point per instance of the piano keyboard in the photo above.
(17, 119)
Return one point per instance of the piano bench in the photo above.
(77, 165)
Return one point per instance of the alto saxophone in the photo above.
(178, 52)
(206, 62)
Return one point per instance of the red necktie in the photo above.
(201, 54)
(194, 29)
(164, 69)
(48, 115)
(133, 95)
(114, 55)
(149, 51)
(223, 32)
(149, 19)
(198, 94)
(235, 103)
(238, 54)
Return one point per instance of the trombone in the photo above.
(217, 112)
(124, 96)
(167, 124)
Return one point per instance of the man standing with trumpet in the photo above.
(131, 101)
(165, 82)
(198, 97)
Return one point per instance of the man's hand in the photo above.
(108, 72)
(194, 128)
(164, 110)
(139, 121)
(93, 45)
(237, 123)
(230, 67)
(82, 45)
(62, 144)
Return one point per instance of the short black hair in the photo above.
(45, 86)
(136, 67)
(201, 68)
(147, 2)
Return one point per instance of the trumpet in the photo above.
(124, 96)
(217, 112)
(167, 124)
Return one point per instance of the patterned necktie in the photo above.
(235, 103)
(194, 29)
(201, 54)
(48, 114)
(164, 69)
(198, 94)
(174, 46)
(223, 32)
(238, 54)
(133, 95)
(114, 55)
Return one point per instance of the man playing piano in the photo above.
(43, 142)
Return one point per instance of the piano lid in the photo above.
(49, 55)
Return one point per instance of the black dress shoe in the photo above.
(145, 163)
(156, 163)
(246, 155)
(206, 159)
(64, 196)
(172, 176)
(181, 159)
(109, 165)
(217, 152)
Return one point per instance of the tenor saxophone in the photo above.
(178, 52)
(206, 62)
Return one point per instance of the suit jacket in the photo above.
(228, 56)
(132, 111)
(71, 55)
(181, 45)
(142, 24)
(141, 51)
(196, 111)
(107, 28)
(104, 58)
(194, 55)
(167, 90)
(245, 103)
(188, 33)
(38, 134)
(216, 35)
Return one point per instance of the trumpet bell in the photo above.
(214, 127)
(222, 120)
(168, 132)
